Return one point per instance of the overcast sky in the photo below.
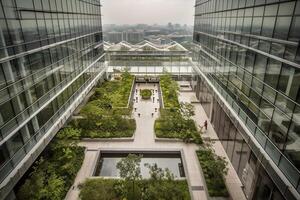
(148, 11)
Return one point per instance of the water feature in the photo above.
(106, 165)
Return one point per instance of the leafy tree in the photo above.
(158, 174)
(130, 171)
(162, 185)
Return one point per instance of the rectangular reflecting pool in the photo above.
(106, 164)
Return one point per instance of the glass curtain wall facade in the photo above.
(249, 51)
(50, 52)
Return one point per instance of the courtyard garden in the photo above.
(108, 113)
(175, 119)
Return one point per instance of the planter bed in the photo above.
(213, 170)
(100, 189)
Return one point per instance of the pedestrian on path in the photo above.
(137, 98)
(134, 109)
(139, 114)
(155, 109)
(205, 125)
(153, 99)
(152, 114)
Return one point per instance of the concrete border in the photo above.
(142, 150)
(174, 140)
(121, 139)
(187, 173)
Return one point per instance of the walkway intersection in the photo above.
(144, 139)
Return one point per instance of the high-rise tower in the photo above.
(51, 54)
(247, 57)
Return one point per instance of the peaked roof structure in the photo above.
(144, 46)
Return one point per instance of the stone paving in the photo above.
(144, 139)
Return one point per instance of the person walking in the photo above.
(153, 99)
(152, 114)
(139, 114)
(205, 125)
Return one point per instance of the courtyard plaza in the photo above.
(144, 139)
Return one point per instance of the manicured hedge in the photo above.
(146, 94)
(214, 169)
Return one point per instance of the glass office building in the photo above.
(247, 56)
(51, 55)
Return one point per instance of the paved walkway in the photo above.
(144, 139)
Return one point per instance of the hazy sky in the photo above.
(148, 11)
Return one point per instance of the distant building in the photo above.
(152, 32)
(135, 37)
(114, 37)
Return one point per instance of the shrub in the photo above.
(54, 172)
(170, 90)
(108, 189)
(107, 115)
(172, 124)
(214, 168)
(146, 94)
